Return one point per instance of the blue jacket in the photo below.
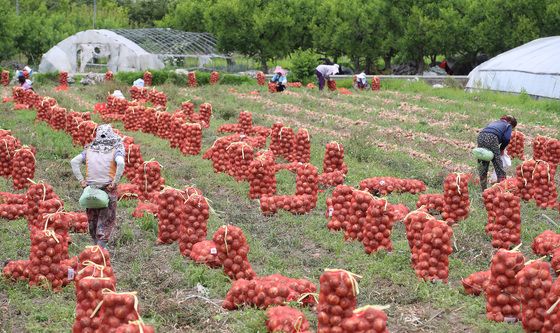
(501, 129)
(280, 79)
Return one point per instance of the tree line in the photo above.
(373, 34)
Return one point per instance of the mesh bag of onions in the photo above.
(193, 229)
(232, 249)
(552, 315)
(171, 215)
(456, 198)
(359, 205)
(545, 186)
(117, 309)
(261, 79)
(433, 254)
(262, 292)
(47, 252)
(331, 84)
(240, 155)
(214, 78)
(16, 270)
(145, 207)
(502, 301)
(5, 78)
(516, 147)
(545, 243)
(415, 223)
(205, 252)
(504, 217)
(89, 294)
(275, 138)
(337, 299)
(286, 319)
(36, 193)
(524, 175)
(367, 319)
(534, 282)
(23, 167)
(334, 158)
(376, 232)
(8, 146)
(262, 176)
(476, 283)
(192, 79)
(338, 207)
(133, 162)
(149, 180)
(192, 142)
(136, 326)
(147, 78)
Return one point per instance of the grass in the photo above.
(365, 123)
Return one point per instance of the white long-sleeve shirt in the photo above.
(327, 70)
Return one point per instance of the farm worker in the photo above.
(361, 80)
(324, 72)
(280, 79)
(27, 72)
(26, 84)
(495, 137)
(104, 160)
(138, 83)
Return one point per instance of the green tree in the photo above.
(145, 13)
(255, 28)
(9, 29)
(187, 15)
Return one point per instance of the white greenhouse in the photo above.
(533, 68)
(128, 50)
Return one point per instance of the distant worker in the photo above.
(361, 81)
(27, 72)
(26, 84)
(280, 79)
(104, 160)
(445, 66)
(324, 72)
(495, 137)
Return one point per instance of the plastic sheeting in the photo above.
(123, 54)
(533, 68)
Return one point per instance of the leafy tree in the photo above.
(187, 15)
(8, 30)
(145, 13)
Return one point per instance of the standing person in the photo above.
(324, 72)
(495, 137)
(361, 81)
(104, 160)
(280, 79)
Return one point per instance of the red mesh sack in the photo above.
(89, 294)
(85, 133)
(375, 83)
(5, 78)
(367, 319)
(261, 78)
(338, 207)
(171, 215)
(47, 252)
(23, 167)
(205, 252)
(295, 204)
(8, 146)
(128, 191)
(302, 147)
(45, 108)
(35, 194)
(414, 223)
(456, 198)
(331, 84)
(214, 78)
(133, 162)
(108, 76)
(545, 186)
(504, 217)
(262, 292)
(205, 111)
(135, 327)
(16, 270)
(286, 319)
(95, 254)
(502, 301)
(433, 254)
(149, 180)
(47, 207)
(287, 142)
(192, 80)
(516, 147)
(354, 225)
(12, 211)
(334, 158)
(147, 78)
(307, 181)
(245, 122)
(545, 243)
(555, 260)
(272, 87)
(262, 176)
(552, 315)
(78, 222)
(138, 93)
(476, 283)
(539, 147)
(163, 125)
(524, 175)
(337, 299)
(378, 225)
(275, 138)
(117, 309)
(193, 229)
(534, 282)
(192, 141)
(145, 207)
(240, 155)
(133, 118)
(232, 249)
